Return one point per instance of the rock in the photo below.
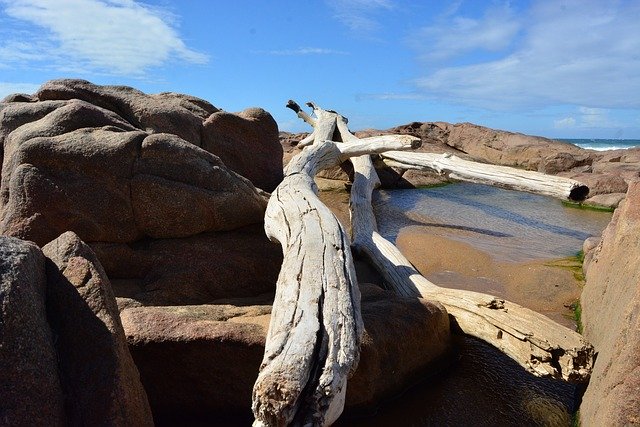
(30, 391)
(423, 178)
(610, 200)
(611, 319)
(388, 365)
(501, 147)
(179, 190)
(198, 361)
(561, 161)
(247, 143)
(100, 381)
(81, 167)
(181, 115)
(588, 248)
(193, 270)
(202, 361)
(599, 183)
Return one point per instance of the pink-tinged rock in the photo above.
(30, 391)
(248, 143)
(181, 115)
(81, 167)
(611, 319)
(100, 381)
(180, 190)
(202, 361)
(193, 270)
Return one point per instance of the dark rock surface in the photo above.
(201, 361)
(100, 381)
(192, 270)
(30, 391)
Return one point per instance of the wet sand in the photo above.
(547, 286)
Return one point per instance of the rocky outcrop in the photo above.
(202, 361)
(114, 164)
(192, 270)
(247, 143)
(603, 172)
(30, 391)
(100, 381)
(611, 319)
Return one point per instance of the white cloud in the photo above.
(11, 88)
(572, 52)
(303, 51)
(114, 36)
(359, 15)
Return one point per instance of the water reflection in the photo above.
(511, 225)
(482, 387)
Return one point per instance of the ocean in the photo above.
(603, 144)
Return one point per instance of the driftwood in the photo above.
(314, 335)
(504, 176)
(540, 345)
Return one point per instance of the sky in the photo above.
(554, 68)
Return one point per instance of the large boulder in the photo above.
(202, 361)
(192, 270)
(100, 381)
(30, 391)
(611, 319)
(248, 143)
(84, 168)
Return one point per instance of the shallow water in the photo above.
(509, 225)
(481, 386)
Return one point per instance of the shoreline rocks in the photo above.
(611, 318)
(604, 172)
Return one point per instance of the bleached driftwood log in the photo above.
(314, 335)
(537, 343)
(504, 176)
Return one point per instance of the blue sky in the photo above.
(565, 69)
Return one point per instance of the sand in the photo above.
(548, 286)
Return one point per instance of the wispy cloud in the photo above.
(389, 96)
(588, 118)
(302, 51)
(10, 88)
(120, 37)
(359, 15)
(455, 34)
(573, 52)
(564, 123)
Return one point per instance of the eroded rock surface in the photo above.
(192, 270)
(611, 318)
(114, 164)
(202, 361)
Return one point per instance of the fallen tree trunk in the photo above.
(504, 176)
(541, 346)
(314, 336)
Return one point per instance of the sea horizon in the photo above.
(602, 144)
